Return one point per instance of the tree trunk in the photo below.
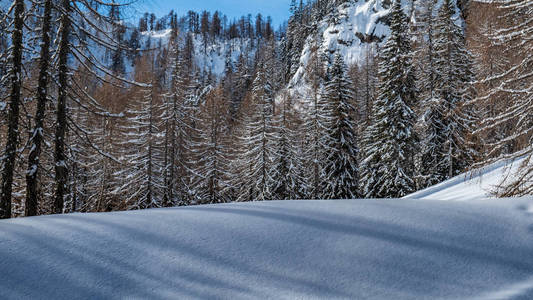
(37, 135)
(14, 110)
(172, 152)
(149, 195)
(61, 170)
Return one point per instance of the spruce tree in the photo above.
(342, 171)
(316, 122)
(447, 118)
(290, 163)
(181, 99)
(390, 142)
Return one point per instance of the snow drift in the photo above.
(359, 249)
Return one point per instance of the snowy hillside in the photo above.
(476, 184)
(211, 58)
(358, 25)
(359, 249)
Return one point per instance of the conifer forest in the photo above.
(266, 149)
(103, 109)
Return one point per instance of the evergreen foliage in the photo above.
(447, 118)
(100, 115)
(390, 143)
(342, 171)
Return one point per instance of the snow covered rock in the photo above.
(360, 24)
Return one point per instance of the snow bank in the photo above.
(360, 249)
(477, 184)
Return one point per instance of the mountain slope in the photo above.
(357, 26)
(212, 58)
(364, 249)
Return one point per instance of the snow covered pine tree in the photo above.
(447, 118)
(342, 167)
(390, 142)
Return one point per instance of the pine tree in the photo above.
(210, 149)
(259, 157)
(316, 121)
(424, 58)
(425, 48)
(216, 26)
(61, 170)
(3, 50)
(204, 29)
(368, 81)
(445, 152)
(390, 143)
(181, 117)
(3, 71)
(290, 165)
(229, 81)
(240, 165)
(70, 51)
(342, 171)
(142, 185)
(491, 59)
(92, 179)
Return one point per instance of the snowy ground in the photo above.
(359, 249)
(476, 184)
(412, 248)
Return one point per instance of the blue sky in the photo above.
(277, 9)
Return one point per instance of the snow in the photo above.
(358, 249)
(476, 184)
(360, 18)
(162, 34)
(213, 57)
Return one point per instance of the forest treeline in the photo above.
(149, 125)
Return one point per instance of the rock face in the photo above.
(351, 29)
